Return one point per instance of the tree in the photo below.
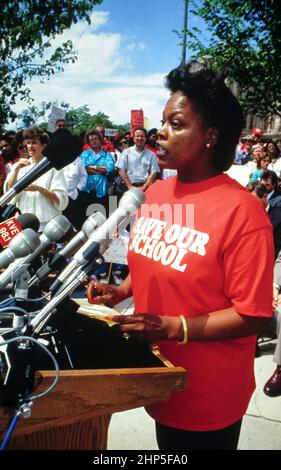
(27, 28)
(79, 119)
(32, 114)
(245, 38)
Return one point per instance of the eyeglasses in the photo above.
(124, 142)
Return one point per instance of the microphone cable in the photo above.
(9, 301)
(25, 404)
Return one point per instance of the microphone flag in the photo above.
(8, 230)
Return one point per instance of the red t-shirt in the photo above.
(107, 145)
(210, 247)
(152, 149)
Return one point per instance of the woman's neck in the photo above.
(36, 159)
(190, 177)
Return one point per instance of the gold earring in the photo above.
(208, 145)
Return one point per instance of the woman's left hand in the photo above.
(150, 327)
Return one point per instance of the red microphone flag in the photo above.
(8, 230)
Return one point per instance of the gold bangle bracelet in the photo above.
(185, 331)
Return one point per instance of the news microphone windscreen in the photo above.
(11, 227)
(28, 220)
(62, 149)
(69, 234)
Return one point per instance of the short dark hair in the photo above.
(215, 102)
(270, 175)
(93, 132)
(251, 186)
(260, 190)
(34, 132)
(8, 137)
(257, 187)
(61, 120)
(139, 128)
(152, 131)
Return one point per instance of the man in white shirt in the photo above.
(75, 176)
(137, 165)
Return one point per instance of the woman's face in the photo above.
(34, 148)
(22, 151)
(182, 140)
(257, 154)
(265, 161)
(123, 144)
(271, 149)
(94, 142)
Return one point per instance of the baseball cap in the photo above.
(257, 131)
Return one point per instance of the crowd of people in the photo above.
(256, 156)
(197, 292)
(103, 169)
(259, 162)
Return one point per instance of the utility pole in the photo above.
(184, 33)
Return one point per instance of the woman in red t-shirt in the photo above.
(198, 290)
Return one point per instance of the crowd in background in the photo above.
(101, 170)
(111, 167)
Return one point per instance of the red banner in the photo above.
(137, 119)
(8, 230)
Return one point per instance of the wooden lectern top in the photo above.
(124, 375)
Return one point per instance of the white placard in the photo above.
(56, 113)
(118, 249)
(110, 132)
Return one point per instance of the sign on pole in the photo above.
(110, 132)
(118, 249)
(56, 113)
(137, 119)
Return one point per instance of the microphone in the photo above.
(128, 205)
(21, 245)
(60, 259)
(28, 220)
(62, 150)
(53, 231)
(11, 227)
(9, 211)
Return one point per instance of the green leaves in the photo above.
(27, 29)
(80, 119)
(246, 38)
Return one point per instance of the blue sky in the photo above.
(152, 22)
(123, 57)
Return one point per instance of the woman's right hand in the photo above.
(22, 162)
(104, 294)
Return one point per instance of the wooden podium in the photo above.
(76, 414)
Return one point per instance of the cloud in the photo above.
(137, 46)
(98, 19)
(105, 76)
(117, 102)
